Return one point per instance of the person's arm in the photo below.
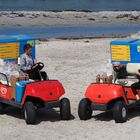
(23, 64)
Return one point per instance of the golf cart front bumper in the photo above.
(101, 107)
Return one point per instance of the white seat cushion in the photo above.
(132, 67)
(5, 82)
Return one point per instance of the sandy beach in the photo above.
(75, 64)
(47, 18)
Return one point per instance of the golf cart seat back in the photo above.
(132, 68)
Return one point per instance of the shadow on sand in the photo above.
(41, 115)
(108, 116)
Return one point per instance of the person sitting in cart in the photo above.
(121, 73)
(27, 62)
(136, 86)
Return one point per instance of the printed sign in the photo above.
(120, 52)
(9, 50)
(32, 42)
(138, 48)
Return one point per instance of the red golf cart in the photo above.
(30, 95)
(116, 96)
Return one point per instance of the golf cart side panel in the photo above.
(103, 93)
(45, 90)
(5, 92)
(129, 93)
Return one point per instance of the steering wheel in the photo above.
(37, 66)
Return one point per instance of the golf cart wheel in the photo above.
(29, 113)
(84, 109)
(120, 112)
(65, 110)
(2, 108)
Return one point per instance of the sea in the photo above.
(75, 31)
(72, 5)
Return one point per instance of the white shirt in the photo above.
(26, 62)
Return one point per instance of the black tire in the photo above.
(84, 109)
(120, 112)
(2, 108)
(29, 113)
(65, 109)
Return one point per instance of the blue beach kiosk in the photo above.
(125, 50)
(12, 46)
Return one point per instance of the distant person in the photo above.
(26, 63)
